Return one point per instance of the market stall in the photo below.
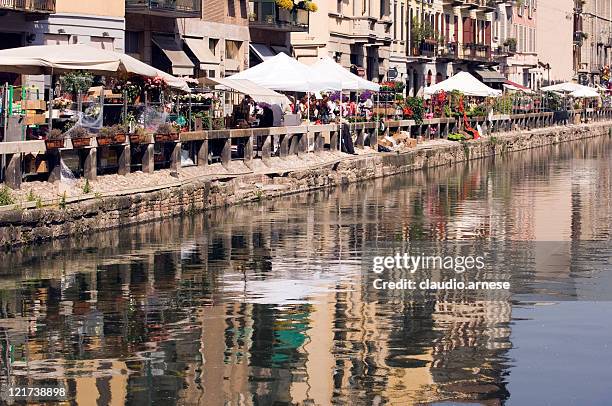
(98, 93)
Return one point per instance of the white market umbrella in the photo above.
(284, 73)
(56, 59)
(567, 87)
(585, 93)
(328, 68)
(465, 83)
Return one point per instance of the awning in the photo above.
(262, 51)
(258, 93)
(181, 64)
(201, 51)
(490, 76)
(509, 85)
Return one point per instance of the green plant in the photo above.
(456, 137)
(62, 202)
(39, 203)
(86, 187)
(120, 129)
(510, 43)
(106, 132)
(79, 132)
(165, 129)
(6, 197)
(76, 81)
(55, 134)
(31, 196)
(140, 131)
(416, 105)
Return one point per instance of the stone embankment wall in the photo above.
(20, 227)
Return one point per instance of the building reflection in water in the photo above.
(267, 304)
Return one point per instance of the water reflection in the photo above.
(265, 304)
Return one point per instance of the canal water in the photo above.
(269, 304)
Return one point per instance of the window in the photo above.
(212, 45)
(131, 42)
(211, 73)
(231, 8)
(339, 7)
(232, 49)
(395, 20)
(402, 22)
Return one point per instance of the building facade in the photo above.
(357, 34)
(592, 40)
(515, 42)
(554, 46)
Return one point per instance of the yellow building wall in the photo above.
(110, 8)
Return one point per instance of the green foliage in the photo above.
(86, 187)
(77, 81)
(422, 30)
(39, 203)
(62, 202)
(31, 196)
(416, 105)
(6, 197)
(456, 137)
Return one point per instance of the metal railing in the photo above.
(182, 7)
(33, 6)
(266, 13)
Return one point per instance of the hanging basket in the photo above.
(54, 144)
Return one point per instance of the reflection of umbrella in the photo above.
(585, 92)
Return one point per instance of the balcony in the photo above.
(29, 6)
(266, 15)
(477, 52)
(165, 8)
(454, 51)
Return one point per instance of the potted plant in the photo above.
(105, 136)
(55, 139)
(120, 132)
(139, 136)
(80, 137)
(166, 132)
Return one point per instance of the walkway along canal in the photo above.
(302, 162)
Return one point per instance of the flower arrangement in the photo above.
(367, 95)
(61, 103)
(308, 6)
(155, 84)
(285, 4)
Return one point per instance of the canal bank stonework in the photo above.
(21, 227)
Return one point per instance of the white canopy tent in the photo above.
(284, 73)
(258, 93)
(585, 93)
(464, 83)
(567, 87)
(56, 59)
(328, 68)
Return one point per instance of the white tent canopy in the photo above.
(284, 73)
(328, 68)
(567, 87)
(587, 92)
(55, 59)
(258, 93)
(464, 83)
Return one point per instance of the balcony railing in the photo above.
(476, 52)
(266, 14)
(165, 8)
(29, 6)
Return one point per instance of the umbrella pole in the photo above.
(308, 107)
(50, 101)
